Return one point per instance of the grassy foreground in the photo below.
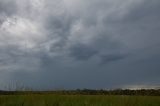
(77, 100)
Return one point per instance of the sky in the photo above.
(70, 44)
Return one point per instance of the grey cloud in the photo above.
(76, 37)
(112, 57)
(144, 10)
(82, 52)
(8, 7)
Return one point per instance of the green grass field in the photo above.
(77, 100)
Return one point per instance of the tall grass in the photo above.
(77, 100)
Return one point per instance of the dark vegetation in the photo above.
(85, 97)
(142, 92)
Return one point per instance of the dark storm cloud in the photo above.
(59, 29)
(112, 57)
(146, 9)
(80, 44)
(8, 7)
(82, 52)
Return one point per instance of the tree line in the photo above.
(145, 92)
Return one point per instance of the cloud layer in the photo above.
(49, 44)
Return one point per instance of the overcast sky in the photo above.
(69, 44)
